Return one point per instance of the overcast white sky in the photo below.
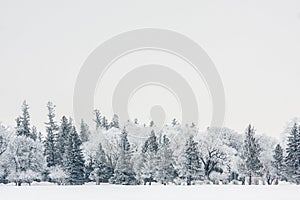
(255, 46)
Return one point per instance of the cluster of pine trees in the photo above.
(142, 154)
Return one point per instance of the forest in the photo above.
(143, 154)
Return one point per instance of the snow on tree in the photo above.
(73, 159)
(51, 152)
(278, 163)
(84, 131)
(62, 139)
(191, 166)
(292, 159)
(57, 175)
(267, 145)
(23, 122)
(115, 122)
(149, 159)
(98, 119)
(251, 153)
(104, 123)
(287, 131)
(216, 152)
(166, 172)
(124, 174)
(101, 171)
(6, 134)
(26, 160)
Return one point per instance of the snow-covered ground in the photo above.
(115, 192)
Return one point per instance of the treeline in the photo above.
(142, 154)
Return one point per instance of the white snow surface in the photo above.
(105, 191)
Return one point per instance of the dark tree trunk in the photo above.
(250, 179)
(189, 180)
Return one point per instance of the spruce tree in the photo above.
(62, 140)
(101, 172)
(104, 123)
(51, 152)
(74, 160)
(278, 163)
(251, 154)
(191, 166)
(23, 122)
(293, 155)
(149, 159)
(166, 170)
(124, 173)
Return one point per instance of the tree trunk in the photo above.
(243, 180)
(250, 179)
(189, 180)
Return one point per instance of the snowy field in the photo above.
(114, 192)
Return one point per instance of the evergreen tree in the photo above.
(98, 119)
(251, 154)
(84, 131)
(23, 122)
(166, 171)
(115, 122)
(74, 160)
(191, 166)
(62, 140)
(149, 159)
(293, 155)
(124, 173)
(278, 163)
(51, 152)
(104, 123)
(101, 172)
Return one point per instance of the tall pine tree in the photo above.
(124, 173)
(166, 170)
(23, 122)
(51, 152)
(278, 163)
(101, 171)
(293, 155)
(62, 139)
(251, 154)
(149, 156)
(74, 160)
(191, 166)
